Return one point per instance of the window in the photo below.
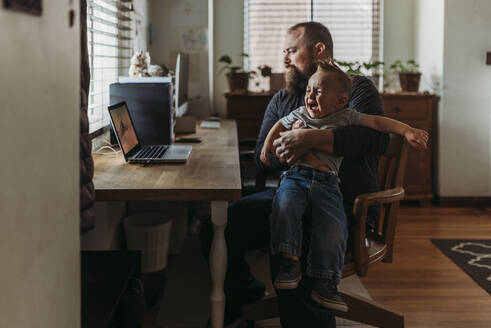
(354, 26)
(109, 38)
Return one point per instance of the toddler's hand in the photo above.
(417, 138)
(297, 125)
(267, 149)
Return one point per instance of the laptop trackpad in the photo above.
(178, 152)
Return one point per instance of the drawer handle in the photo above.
(396, 109)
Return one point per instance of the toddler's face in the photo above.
(322, 96)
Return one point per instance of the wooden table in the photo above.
(211, 174)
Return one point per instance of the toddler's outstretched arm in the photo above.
(416, 137)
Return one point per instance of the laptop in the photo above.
(130, 145)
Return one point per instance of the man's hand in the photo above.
(417, 138)
(290, 146)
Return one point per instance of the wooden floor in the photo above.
(421, 282)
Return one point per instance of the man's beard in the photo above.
(296, 81)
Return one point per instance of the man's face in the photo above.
(299, 62)
(322, 96)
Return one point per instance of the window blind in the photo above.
(109, 38)
(354, 26)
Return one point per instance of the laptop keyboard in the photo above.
(149, 152)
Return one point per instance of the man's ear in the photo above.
(319, 50)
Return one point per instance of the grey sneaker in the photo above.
(290, 274)
(327, 295)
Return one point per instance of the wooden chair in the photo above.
(368, 248)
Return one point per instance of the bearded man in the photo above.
(248, 218)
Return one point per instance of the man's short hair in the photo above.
(315, 32)
(343, 79)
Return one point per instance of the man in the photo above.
(248, 219)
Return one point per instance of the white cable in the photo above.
(112, 152)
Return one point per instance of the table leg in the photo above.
(218, 262)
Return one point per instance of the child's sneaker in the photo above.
(290, 274)
(327, 295)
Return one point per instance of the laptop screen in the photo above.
(124, 128)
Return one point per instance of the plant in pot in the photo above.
(265, 72)
(409, 74)
(373, 71)
(352, 68)
(368, 69)
(237, 78)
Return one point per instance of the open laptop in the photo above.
(130, 145)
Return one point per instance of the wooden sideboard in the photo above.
(417, 109)
(248, 109)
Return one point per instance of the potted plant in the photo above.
(352, 68)
(355, 68)
(373, 69)
(237, 78)
(276, 80)
(409, 74)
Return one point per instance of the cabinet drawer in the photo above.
(410, 109)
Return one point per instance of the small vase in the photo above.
(238, 81)
(409, 81)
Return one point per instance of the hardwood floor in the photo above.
(421, 282)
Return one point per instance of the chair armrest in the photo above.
(358, 232)
(363, 201)
(246, 155)
(249, 142)
(378, 198)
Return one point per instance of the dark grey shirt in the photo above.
(359, 145)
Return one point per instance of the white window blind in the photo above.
(109, 37)
(354, 26)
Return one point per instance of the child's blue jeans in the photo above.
(302, 187)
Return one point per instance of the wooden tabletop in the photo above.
(211, 173)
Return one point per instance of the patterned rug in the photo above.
(471, 255)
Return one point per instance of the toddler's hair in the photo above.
(343, 79)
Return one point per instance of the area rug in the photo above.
(471, 255)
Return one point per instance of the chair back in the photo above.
(391, 177)
(392, 165)
(370, 247)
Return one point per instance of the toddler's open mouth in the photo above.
(313, 106)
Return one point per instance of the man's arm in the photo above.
(356, 141)
(294, 144)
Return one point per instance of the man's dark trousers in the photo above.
(247, 229)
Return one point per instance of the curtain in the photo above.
(87, 193)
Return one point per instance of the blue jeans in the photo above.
(303, 188)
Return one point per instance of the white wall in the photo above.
(465, 115)
(398, 30)
(140, 25)
(39, 168)
(183, 26)
(228, 33)
(428, 43)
